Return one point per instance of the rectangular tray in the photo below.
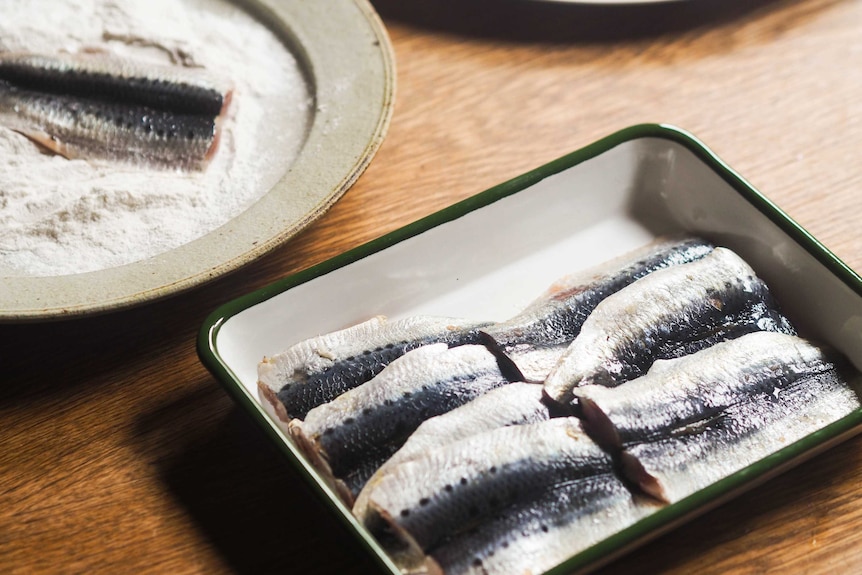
(488, 256)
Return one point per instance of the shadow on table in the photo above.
(81, 355)
(52, 360)
(242, 493)
(533, 20)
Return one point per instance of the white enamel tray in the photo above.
(488, 256)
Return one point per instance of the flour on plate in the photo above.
(60, 217)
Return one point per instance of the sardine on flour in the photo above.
(92, 106)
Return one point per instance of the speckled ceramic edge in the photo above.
(775, 245)
(337, 41)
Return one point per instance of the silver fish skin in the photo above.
(422, 502)
(515, 404)
(537, 337)
(349, 437)
(673, 468)
(183, 90)
(79, 129)
(680, 392)
(319, 369)
(678, 434)
(100, 108)
(669, 313)
(534, 537)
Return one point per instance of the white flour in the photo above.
(60, 216)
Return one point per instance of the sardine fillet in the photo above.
(94, 75)
(83, 129)
(319, 369)
(537, 337)
(358, 430)
(513, 404)
(557, 525)
(669, 313)
(451, 489)
(692, 421)
(680, 392)
(97, 107)
(674, 468)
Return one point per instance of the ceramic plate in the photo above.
(348, 62)
(488, 256)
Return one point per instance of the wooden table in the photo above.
(120, 453)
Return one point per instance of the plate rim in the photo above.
(655, 524)
(26, 299)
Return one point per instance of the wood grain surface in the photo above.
(120, 453)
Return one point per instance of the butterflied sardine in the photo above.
(95, 107)
(513, 404)
(669, 313)
(423, 502)
(537, 337)
(701, 417)
(319, 369)
(534, 537)
(356, 432)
